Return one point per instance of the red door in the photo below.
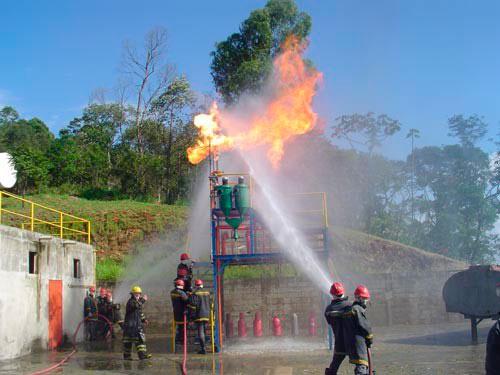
(55, 313)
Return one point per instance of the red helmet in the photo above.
(198, 282)
(179, 282)
(92, 289)
(337, 289)
(362, 291)
(184, 256)
(102, 292)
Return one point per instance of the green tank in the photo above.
(225, 194)
(234, 222)
(241, 196)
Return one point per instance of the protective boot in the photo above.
(361, 370)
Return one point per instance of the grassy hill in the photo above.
(361, 252)
(118, 225)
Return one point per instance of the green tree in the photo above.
(368, 130)
(467, 129)
(171, 110)
(8, 115)
(28, 141)
(242, 62)
(456, 210)
(413, 134)
(96, 132)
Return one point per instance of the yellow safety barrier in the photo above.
(36, 217)
(322, 212)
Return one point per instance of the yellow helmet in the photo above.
(136, 289)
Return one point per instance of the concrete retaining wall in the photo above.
(24, 307)
(403, 298)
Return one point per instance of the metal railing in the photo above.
(185, 325)
(36, 217)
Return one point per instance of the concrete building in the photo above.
(43, 281)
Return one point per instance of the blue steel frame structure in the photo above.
(253, 256)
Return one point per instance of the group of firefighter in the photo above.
(351, 329)
(190, 305)
(100, 314)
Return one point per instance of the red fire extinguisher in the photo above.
(312, 325)
(242, 326)
(257, 325)
(277, 330)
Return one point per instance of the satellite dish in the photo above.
(8, 173)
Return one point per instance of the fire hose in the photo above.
(184, 359)
(370, 364)
(73, 342)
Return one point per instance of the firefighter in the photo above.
(185, 271)
(179, 304)
(103, 308)
(90, 315)
(199, 304)
(333, 314)
(358, 337)
(493, 350)
(133, 326)
(116, 316)
(493, 346)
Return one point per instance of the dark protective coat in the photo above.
(89, 306)
(105, 307)
(179, 304)
(133, 325)
(493, 350)
(357, 334)
(333, 314)
(199, 305)
(185, 273)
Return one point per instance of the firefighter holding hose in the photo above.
(90, 314)
(199, 305)
(334, 316)
(133, 326)
(185, 271)
(358, 336)
(179, 303)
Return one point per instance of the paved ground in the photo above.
(408, 350)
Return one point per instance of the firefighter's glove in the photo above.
(369, 342)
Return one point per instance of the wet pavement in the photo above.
(405, 350)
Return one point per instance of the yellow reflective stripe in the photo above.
(369, 337)
(359, 362)
(201, 320)
(201, 293)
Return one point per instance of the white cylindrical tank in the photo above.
(8, 173)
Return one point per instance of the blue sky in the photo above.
(418, 61)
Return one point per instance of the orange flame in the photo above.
(288, 114)
(208, 136)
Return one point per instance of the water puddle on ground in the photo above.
(399, 350)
